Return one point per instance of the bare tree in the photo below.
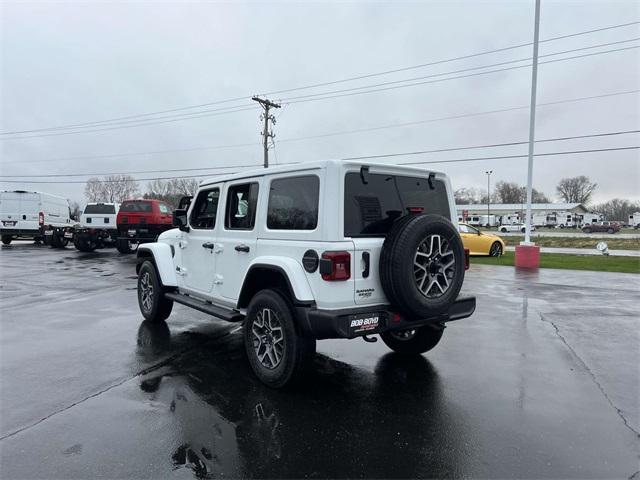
(617, 209)
(113, 188)
(508, 192)
(93, 190)
(171, 190)
(466, 196)
(576, 190)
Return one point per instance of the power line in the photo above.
(330, 96)
(305, 98)
(438, 62)
(65, 182)
(477, 159)
(331, 134)
(439, 150)
(507, 62)
(349, 79)
(130, 126)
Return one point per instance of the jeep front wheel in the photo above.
(277, 353)
(153, 304)
(414, 341)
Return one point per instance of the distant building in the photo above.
(542, 214)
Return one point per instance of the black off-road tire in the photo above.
(153, 304)
(58, 242)
(586, 230)
(397, 270)
(123, 245)
(495, 250)
(610, 230)
(297, 350)
(503, 230)
(422, 340)
(84, 245)
(6, 239)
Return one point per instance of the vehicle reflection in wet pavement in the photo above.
(341, 420)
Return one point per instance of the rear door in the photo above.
(237, 246)
(372, 204)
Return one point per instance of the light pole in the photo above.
(489, 172)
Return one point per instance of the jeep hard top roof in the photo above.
(314, 165)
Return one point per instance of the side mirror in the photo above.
(184, 202)
(180, 219)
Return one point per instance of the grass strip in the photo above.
(597, 263)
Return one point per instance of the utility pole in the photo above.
(489, 172)
(532, 123)
(266, 134)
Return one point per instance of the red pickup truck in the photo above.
(609, 227)
(141, 221)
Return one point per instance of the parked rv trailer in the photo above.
(634, 220)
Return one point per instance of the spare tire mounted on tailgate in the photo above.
(422, 265)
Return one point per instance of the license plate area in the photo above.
(68, 234)
(365, 323)
(132, 233)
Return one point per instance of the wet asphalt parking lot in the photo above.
(542, 382)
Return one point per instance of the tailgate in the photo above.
(367, 286)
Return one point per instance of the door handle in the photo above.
(242, 248)
(208, 245)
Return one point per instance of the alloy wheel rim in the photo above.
(268, 338)
(434, 266)
(146, 291)
(495, 250)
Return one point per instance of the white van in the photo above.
(31, 214)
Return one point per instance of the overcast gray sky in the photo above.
(75, 62)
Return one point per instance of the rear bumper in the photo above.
(95, 234)
(141, 233)
(357, 322)
(20, 232)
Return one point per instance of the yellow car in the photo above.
(480, 243)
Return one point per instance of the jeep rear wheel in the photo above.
(123, 245)
(277, 353)
(413, 342)
(422, 265)
(6, 239)
(153, 304)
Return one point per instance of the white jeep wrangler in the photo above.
(312, 251)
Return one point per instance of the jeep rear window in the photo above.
(104, 209)
(141, 207)
(371, 208)
(293, 203)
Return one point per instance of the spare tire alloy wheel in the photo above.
(435, 265)
(268, 338)
(422, 265)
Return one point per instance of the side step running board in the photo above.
(227, 314)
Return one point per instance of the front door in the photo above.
(239, 241)
(198, 247)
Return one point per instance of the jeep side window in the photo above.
(242, 201)
(293, 203)
(203, 214)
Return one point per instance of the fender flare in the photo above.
(292, 271)
(162, 258)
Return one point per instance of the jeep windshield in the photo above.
(100, 208)
(136, 207)
(373, 203)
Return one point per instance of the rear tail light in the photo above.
(335, 266)
(466, 259)
(40, 218)
(415, 209)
